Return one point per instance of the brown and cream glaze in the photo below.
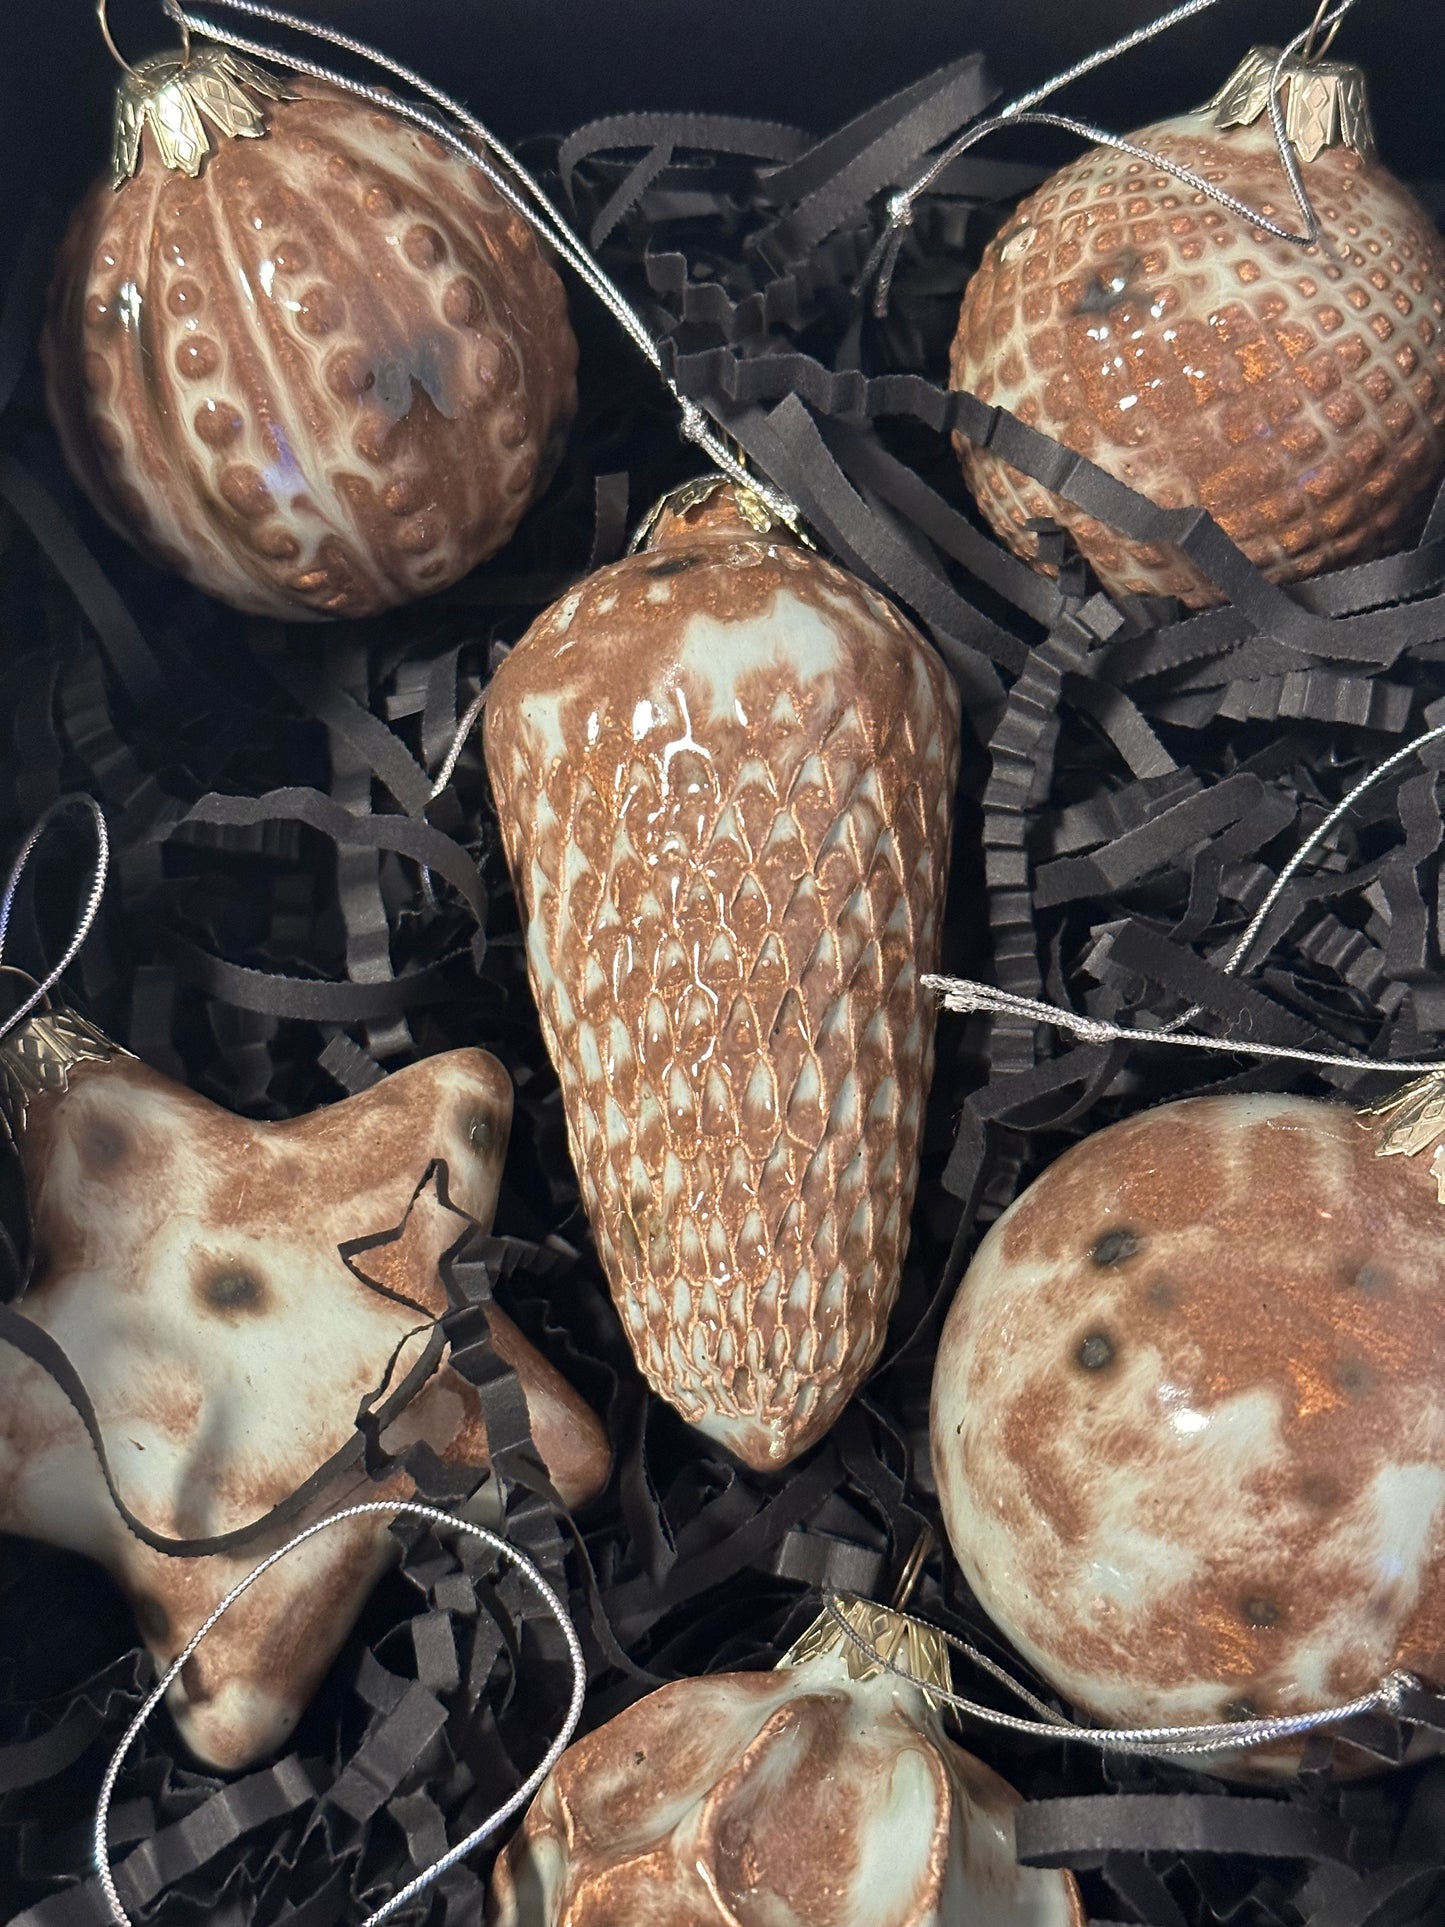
(796, 1798)
(188, 1265)
(324, 377)
(1189, 1415)
(724, 772)
(1296, 394)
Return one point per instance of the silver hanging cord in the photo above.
(884, 258)
(88, 912)
(965, 995)
(520, 189)
(478, 1834)
(1219, 1737)
(459, 740)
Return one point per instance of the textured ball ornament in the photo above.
(724, 773)
(823, 1794)
(1189, 1419)
(320, 376)
(1296, 394)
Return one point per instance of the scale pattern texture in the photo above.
(725, 773)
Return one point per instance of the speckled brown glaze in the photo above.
(1299, 396)
(321, 379)
(189, 1269)
(1189, 1415)
(724, 772)
(798, 1798)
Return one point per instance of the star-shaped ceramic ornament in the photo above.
(189, 1265)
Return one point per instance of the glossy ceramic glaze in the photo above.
(797, 1798)
(724, 774)
(321, 379)
(189, 1269)
(1189, 1415)
(1299, 396)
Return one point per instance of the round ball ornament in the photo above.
(296, 350)
(1297, 394)
(1188, 1421)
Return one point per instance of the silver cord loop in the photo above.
(1018, 113)
(494, 1820)
(1213, 1737)
(88, 912)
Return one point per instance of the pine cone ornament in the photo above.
(822, 1794)
(724, 772)
(320, 370)
(1296, 394)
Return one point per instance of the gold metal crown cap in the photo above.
(1324, 101)
(181, 99)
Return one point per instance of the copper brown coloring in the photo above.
(1296, 394)
(806, 1797)
(1188, 1414)
(323, 377)
(724, 772)
(188, 1263)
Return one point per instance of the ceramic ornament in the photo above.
(724, 774)
(187, 1263)
(298, 351)
(1296, 394)
(1189, 1416)
(823, 1794)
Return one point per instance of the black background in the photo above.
(546, 66)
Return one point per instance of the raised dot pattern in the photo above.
(1298, 396)
(728, 919)
(324, 378)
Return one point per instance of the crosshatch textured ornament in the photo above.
(187, 1264)
(1189, 1418)
(1297, 394)
(724, 773)
(822, 1794)
(320, 370)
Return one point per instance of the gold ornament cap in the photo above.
(37, 1058)
(185, 101)
(733, 500)
(1324, 102)
(901, 1645)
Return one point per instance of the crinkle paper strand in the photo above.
(291, 916)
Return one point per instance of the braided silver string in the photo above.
(429, 1875)
(89, 910)
(967, 996)
(1018, 114)
(1167, 1741)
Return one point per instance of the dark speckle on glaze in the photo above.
(232, 1290)
(1248, 1504)
(1259, 1610)
(1116, 1247)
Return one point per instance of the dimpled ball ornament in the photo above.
(724, 774)
(299, 352)
(822, 1794)
(1189, 1417)
(1297, 394)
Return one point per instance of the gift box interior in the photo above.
(1133, 779)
